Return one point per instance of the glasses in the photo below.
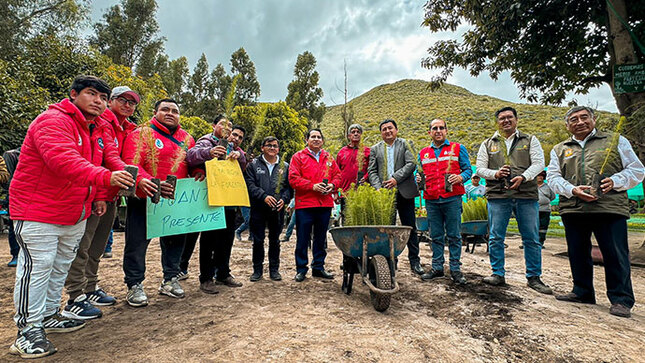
(575, 119)
(272, 146)
(123, 101)
(437, 128)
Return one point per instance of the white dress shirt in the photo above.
(536, 155)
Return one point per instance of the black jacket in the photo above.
(260, 184)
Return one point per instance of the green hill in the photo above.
(470, 117)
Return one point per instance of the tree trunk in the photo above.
(622, 51)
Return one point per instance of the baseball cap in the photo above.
(122, 90)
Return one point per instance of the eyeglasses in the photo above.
(575, 119)
(272, 146)
(123, 101)
(437, 128)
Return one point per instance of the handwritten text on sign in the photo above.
(226, 185)
(188, 212)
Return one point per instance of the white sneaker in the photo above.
(136, 296)
(172, 288)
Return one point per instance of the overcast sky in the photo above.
(382, 42)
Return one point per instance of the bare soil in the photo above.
(315, 321)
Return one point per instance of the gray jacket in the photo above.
(545, 196)
(404, 166)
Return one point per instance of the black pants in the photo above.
(405, 208)
(610, 231)
(261, 219)
(136, 246)
(545, 218)
(189, 247)
(215, 250)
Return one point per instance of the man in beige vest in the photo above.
(512, 154)
(573, 164)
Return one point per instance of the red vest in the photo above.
(435, 168)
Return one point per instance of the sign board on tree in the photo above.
(188, 212)
(629, 78)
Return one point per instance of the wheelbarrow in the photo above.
(371, 251)
(423, 229)
(473, 233)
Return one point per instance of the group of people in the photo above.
(71, 170)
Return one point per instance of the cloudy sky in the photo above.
(381, 41)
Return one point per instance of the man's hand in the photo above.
(279, 205)
(217, 152)
(455, 179)
(234, 155)
(270, 201)
(606, 185)
(288, 210)
(121, 179)
(148, 187)
(99, 207)
(390, 183)
(199, 176)
(417, 178)
(516, 181)
(320, 188)
(330, 188)
(167, 190)
(503, 172)
(579, 192)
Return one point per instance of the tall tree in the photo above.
(304, 94)
(219, 87)
(248, 88)
(176, 77)
(127, 31)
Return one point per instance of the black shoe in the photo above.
(417, 269)
(300, 276)
(432, 274)
(275, 275)
(458, 277)
(571, 297)
(322, 273)
(256, 276)
(536, 284)
(495, 280)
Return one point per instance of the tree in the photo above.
(176, 77)
(304, 94)
(127, 31)
(198, 85)
(219, 87)
(248, 88)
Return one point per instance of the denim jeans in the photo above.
(444, 219)
(526, 213)
(246, 213)
(308, 219)
(291, 226)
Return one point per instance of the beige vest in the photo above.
(520, 160)
(578, 165)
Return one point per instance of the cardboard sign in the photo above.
(226, 185)
(188, 212)
(629, 78)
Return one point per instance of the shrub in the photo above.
(367, 206)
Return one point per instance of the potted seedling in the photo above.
(506, 181)
(281, 175)
(147, 141)
(446, 184)
(131, 190)
(611, 153)
(178, 157)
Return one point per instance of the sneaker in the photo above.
(136, 296)
(230, 281)
(172, 288)
(432, 274)
(536, 284)
(80, 308)
(275, 275)
(209, 287)
(256, 276)
(13, 262)
(495, 280)
(458, 277)
(32, 343)
(182, 275)
(620, 310)
(107, 254)
(56, 323)
(98, 297)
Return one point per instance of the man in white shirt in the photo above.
(574, 162)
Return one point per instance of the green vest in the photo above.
(578, 165)
(520, 160)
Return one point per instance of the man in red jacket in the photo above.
(348, 162)
(51, 195)
(158, 149)
(314, 176)
(82, 279)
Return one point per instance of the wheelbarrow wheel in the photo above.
(380, 276)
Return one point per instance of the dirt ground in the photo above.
(315, 321)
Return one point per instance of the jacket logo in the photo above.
(260, 171)
(100, 142)
(159, 144)
(80, 141)
(494, 148)
(116, 142)
(568, 153)
(426, 155)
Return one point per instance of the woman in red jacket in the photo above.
(314, 176)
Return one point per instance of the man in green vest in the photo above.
(509, 161)
(574, 162)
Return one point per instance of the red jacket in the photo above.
(169, 154)
(435, 168)
(305, 171)
(59, 168)
(115, 135)
(348, 165)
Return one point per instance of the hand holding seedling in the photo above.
(121, 179)
(516, 181)
(270, 201)
(606, 185)
(234, 155)
(148, 187)
(167, 190)
(218, 152)
(199, 176)
(390, 183)
(579, 192)
(99, 208)
(455, 179)
(503, 172)
(320, 188)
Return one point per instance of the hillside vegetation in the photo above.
(470, 117)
